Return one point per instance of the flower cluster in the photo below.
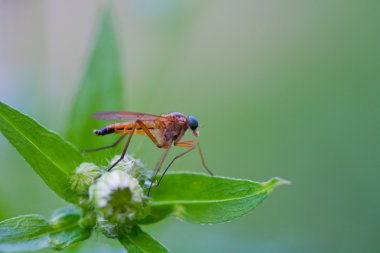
(116, 196)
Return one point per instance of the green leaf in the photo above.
(140, 242)
(199, 198)
(33, 232)
(100, 90)
(49, 155)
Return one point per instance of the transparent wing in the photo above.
(126, 116)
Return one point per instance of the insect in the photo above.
(165, 131)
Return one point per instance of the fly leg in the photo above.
(189, 144)
(158, 167)
(203, 160)
(105, 147)
(126, 147)
(147, 131)
(185, 144)
(154, 140)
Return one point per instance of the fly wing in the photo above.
(125, 116)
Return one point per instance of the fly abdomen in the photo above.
(104, 131)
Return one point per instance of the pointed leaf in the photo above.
(49, 155)
(199, 198)
(33, 232)
(140, 242)
(101, 90)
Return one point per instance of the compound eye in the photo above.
(193, 122)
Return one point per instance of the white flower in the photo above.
(118, 197)
(83, 177)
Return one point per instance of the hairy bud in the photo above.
(83, 177)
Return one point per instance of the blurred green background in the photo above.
(282, 88)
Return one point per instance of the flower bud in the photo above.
(131, 166)
(83, 177)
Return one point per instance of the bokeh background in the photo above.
(281, 88)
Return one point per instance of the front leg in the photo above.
(186, 144)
